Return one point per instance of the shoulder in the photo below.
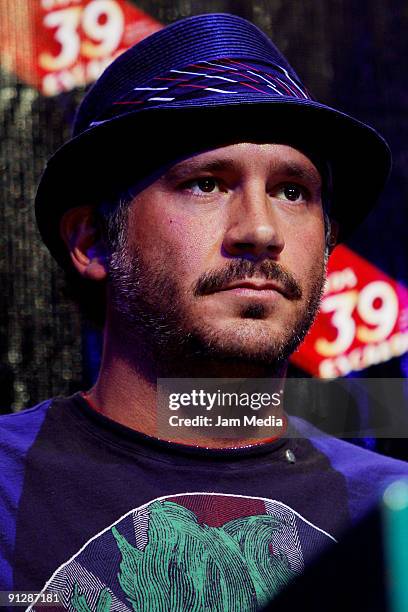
(360, 461)
(14, 419)
(19, 429)
(366, 473)
(18, 432)
(344, 454)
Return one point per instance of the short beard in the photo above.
(147, 307)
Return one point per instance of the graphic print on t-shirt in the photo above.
(190, 552)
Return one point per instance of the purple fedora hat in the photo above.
(202, 82)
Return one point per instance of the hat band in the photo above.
(219, 78)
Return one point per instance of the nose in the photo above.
(253, 230)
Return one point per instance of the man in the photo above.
(209, 189)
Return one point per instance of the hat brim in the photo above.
(116, 154)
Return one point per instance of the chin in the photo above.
(253, 341)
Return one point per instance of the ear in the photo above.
(86, 247)
(334, 232)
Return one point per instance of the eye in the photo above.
(203, 185)
(291, 192)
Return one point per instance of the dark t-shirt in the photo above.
(110, 519)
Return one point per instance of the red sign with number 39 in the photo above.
(81, 37)
(68, 43)
(363, 319)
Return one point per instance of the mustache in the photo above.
(241, 269)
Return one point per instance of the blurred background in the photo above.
(350, 55)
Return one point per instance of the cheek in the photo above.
(173, 240)
(305, 251)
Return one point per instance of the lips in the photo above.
(254, 285)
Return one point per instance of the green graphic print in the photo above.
(78, 601)
(191, 567)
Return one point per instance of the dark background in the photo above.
(350, 54)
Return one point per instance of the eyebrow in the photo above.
(290, 169)
(186, 168)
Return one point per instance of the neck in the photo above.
(126, 391)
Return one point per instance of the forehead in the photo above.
(251, 157)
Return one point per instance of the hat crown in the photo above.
(194, 39)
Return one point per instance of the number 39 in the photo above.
(342, 306)
(102, 38)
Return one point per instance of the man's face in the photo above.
(224, 256)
